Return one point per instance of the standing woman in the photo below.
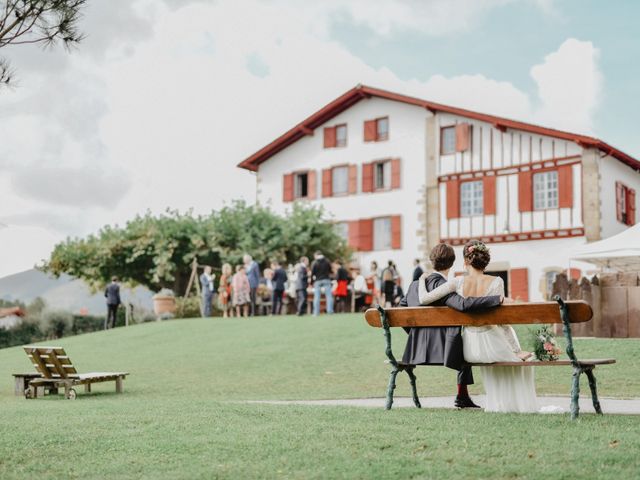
(224, 291)
(241, 291)
(374, 279)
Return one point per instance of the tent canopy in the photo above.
(620, 252)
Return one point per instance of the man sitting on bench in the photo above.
(443, 345)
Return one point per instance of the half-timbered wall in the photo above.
(504, 160)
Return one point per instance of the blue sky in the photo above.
(161, 101)
(506, 42)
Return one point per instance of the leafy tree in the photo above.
(44, 22)
(157, 251)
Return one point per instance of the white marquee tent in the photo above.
(620, 252)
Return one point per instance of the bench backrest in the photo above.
(509, 314)
(51, 362)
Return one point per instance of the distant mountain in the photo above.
(66, 292)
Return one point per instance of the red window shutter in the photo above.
(366, 235)
(396, 232)
(463, 137)
(327, 185)
(367, 177)
(395, 173)
(354, 234)
(330, 137)
(453, 199)
(287, 187)
(575, 273)
(489, 195)
(631, 206)
(519, 280)
(311, 185)
(619, 200)
(525, 192)
(370, 131)
(565, 186)
(353, 179)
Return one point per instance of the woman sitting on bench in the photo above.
(508, 389)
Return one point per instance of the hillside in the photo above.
(65, 292)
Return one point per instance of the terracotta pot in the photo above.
(163, 304)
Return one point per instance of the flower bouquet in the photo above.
(545, 346)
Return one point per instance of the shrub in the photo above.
(56, 323)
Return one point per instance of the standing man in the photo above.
(206, 281)
(278, 281)
(253, 273)
(112, 294)
(302, 283)
(321, 276)
(417, 271)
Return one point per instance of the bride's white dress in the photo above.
(508, 389)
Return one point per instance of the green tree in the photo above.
(44, 22)
(157, 251)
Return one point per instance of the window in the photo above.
(382, 233)
(382, 129)
(545, 190)
(625, 204)
(382, 175)
(376, 130)
(341, 135)
(471, 201)
(301, 185)
(447, 140)
(342, 229)
(340, 180)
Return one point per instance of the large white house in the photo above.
(400, 174)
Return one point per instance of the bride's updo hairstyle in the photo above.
(476, 254)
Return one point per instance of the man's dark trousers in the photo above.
(301, 300)
(112, 313)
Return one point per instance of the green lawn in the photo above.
(181, 415)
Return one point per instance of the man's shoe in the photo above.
(465, 402)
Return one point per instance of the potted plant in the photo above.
(164, 304)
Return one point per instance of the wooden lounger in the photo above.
(56, 371)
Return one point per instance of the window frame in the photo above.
(346, 135)
(533, 189)
(624, 206)
(382, 138)
(472, 214)
(373, 233)
(295, 184)
(375, 168)
(442, 133)
(346, 192)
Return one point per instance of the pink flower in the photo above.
(548, 347)
(471, 248)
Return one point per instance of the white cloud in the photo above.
(569, 86)
(160, 115)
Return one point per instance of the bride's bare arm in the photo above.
(427, 298)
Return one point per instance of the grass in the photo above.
(182, 414)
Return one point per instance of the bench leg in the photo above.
(119, 385)
(21, 386)
(87, 388)
(575, 393)
(391, 387)
(594, 391)
(414, 390)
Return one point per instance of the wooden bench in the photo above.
(55, 370)
(509, 314)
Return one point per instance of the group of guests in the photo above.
(246, 290)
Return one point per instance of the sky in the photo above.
(155, 108)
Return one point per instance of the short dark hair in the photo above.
(442, 257)
(114, 279)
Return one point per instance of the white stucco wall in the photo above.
(406, 141)
(612, 171)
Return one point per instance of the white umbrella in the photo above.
(620, 252)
